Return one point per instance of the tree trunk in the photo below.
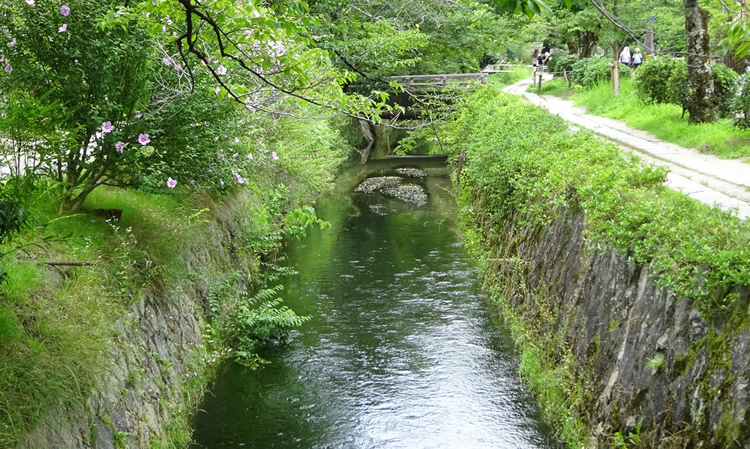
(71, 203)
(701, 100)
(367, 132)
(588, 40)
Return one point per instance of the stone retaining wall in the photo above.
(644, 356)
(158, 361)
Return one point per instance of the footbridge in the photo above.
(449, 80)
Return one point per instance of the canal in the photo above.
(401, 350)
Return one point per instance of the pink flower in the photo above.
(64, 10)
(217, 90)
(171, 183)
(119, 146)
(30, 2)
(239, 178)
(235, 155)
(236, 140)
(8, 68)
(250, 156)
(63, 28)
(273, 155)
(166, 61)
(12, 43)
(221, 70)
(107, 127)
(178, 67)
(143, 139)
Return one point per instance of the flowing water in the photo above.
(401, 350)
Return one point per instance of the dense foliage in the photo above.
(664, 80)
(562, 62)
(725, 84)
(661, 81)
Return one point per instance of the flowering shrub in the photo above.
(78, 86)
(121, 107)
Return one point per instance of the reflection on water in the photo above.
(400, 352)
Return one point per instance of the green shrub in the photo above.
(661, 80)
(740, 105)
(725, 84)
(591, 71)
(562, 62)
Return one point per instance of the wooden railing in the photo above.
(454, 79)
(501, 68)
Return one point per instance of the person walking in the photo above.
(625, 57)
(637, 58)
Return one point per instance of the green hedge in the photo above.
(591, 71)
(664, 80)
(521, 159)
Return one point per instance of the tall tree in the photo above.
(701, 102)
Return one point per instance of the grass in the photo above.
(665, 121)
(55, 323)
(557, 86)
(504, 79)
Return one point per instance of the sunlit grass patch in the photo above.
(665, 121)
(503, 79)
(556, 86)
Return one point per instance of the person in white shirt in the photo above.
(637, 58)
(625, 56)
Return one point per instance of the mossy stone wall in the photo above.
(643, 356)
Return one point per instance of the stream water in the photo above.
(401, 350)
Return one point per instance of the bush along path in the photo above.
(704, 177)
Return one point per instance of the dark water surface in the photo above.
(401, 351)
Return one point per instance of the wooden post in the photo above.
(616, 69)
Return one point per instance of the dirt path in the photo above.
(704, 177)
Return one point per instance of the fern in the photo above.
(259, 320)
